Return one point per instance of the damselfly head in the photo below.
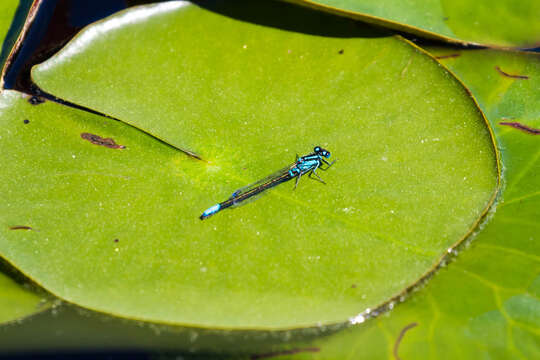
(322, 152)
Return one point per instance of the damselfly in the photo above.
(308, 164)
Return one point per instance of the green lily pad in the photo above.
(495, 22)
(416, 168)
(486, 303)
(7, 12)
(17, 302)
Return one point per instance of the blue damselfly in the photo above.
(308, 164)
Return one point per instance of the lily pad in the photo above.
(7, 10)
(7, 40)
(17, 302)
(496, 22)
(416, 168)
(486, 302)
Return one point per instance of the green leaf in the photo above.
(415, 171)
(7, 12)
(17, 301)
(485, 304)
(489, 22)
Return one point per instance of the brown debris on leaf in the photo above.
(400, 337)
(20, 227)
(98, 140)
(449, 56)
(520, 77)
(284, 352)
(519, 126)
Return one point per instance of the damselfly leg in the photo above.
(327, 164)
(312, 172)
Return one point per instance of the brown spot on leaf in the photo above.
(284, 352)
(20, 227)
(340, 52)
(98, 140)
(116, 240)
(449, 56)
(353, 286)
(400, 337)
(519, 126)
(521, 77)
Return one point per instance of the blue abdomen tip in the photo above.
(210, 211)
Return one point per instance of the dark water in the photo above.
(56, 23)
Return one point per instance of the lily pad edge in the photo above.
(393, 25)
